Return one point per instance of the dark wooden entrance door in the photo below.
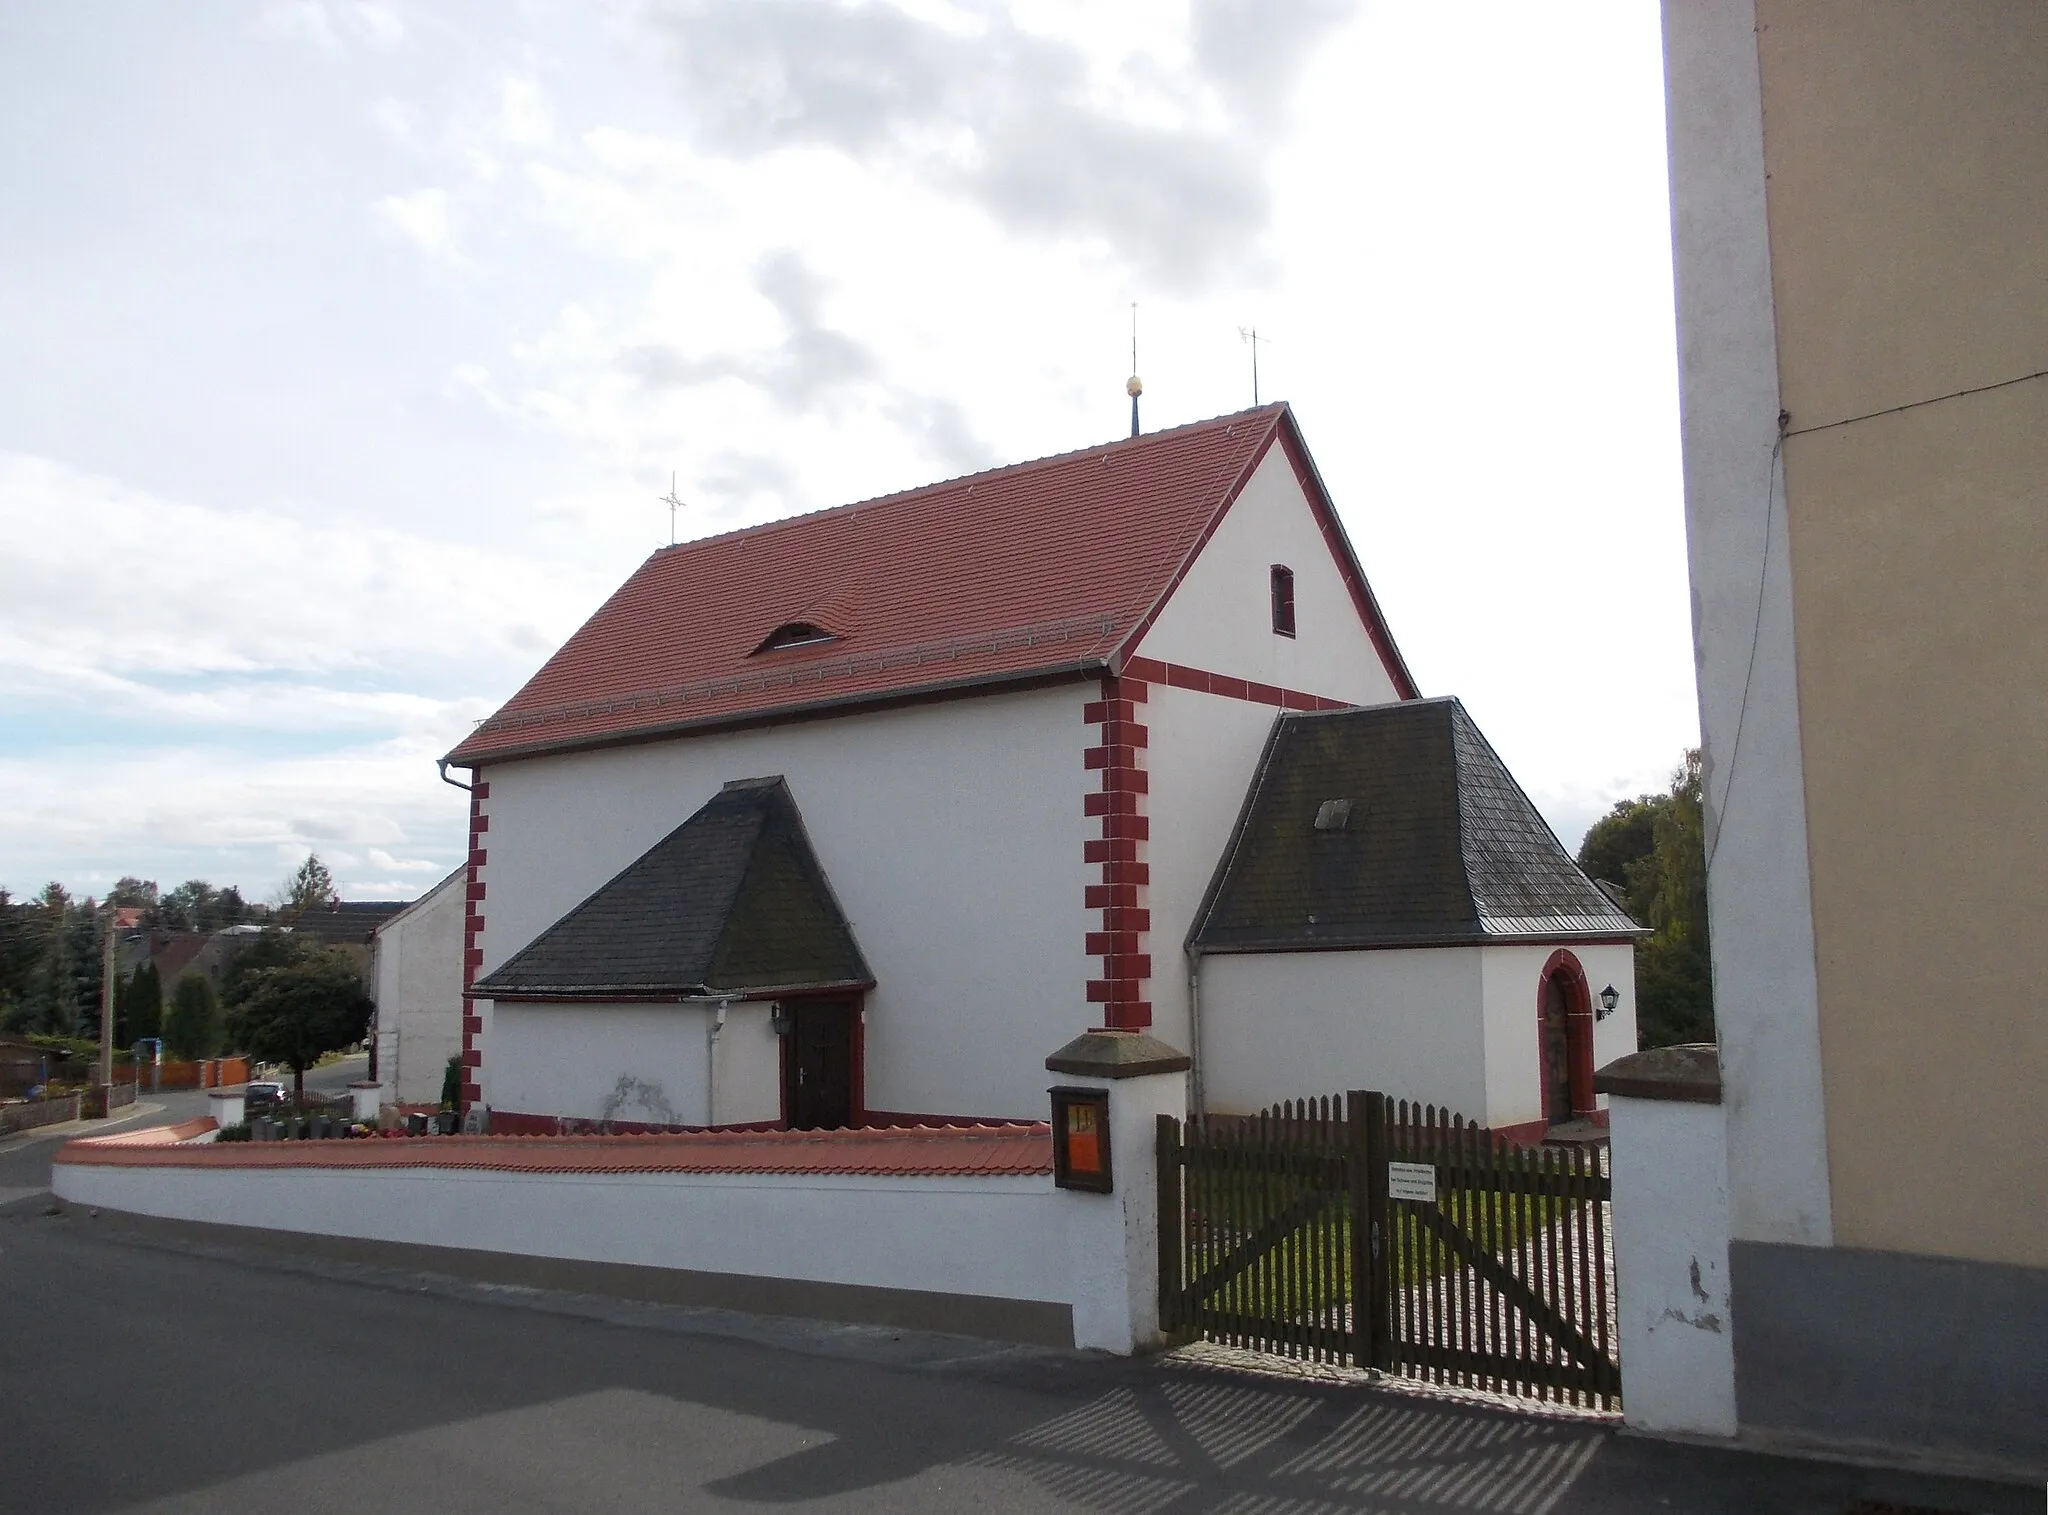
(1557, 1049)
(817, 1065)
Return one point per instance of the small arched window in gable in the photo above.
(795, 634)
(1283, 600)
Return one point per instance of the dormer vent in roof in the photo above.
(1333, 815)
(795, 634)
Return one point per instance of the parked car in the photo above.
(262, 1095)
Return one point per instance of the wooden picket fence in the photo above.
(1484, 1265)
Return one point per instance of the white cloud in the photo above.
(426, 219)
(397, 119)
(301, 21)
(245, 593)
(524, 116)
(230, 815)
(330, 27)
(379, 25)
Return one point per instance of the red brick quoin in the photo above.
(1118, 850)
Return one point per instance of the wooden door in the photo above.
(1557, 1049)
(817, 1065)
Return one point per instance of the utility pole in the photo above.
(107, 1009)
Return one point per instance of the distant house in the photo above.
(856, 816)
(416, 979)
(347, 925)
(204, 954)
(1390, 900)
(23, 1066)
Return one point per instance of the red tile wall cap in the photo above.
(919, 1151)
(1039, 570)
(152, 1136)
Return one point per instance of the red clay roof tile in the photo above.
(1031, 570)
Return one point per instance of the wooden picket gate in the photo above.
(1484, 1265)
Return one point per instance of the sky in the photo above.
(349, 348)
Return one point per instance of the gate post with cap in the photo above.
(1107, 1173)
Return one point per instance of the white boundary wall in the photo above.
(1671, 1266)
(1000, 1237)
(973, 1236)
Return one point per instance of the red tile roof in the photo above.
(176, 955)
(1040, 569)
(922, 1150)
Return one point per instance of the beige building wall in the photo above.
(1907, 151)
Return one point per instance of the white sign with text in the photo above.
(1414, 1182)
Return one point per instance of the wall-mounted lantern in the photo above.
(782, 1019)
(1080, 1140)
(1609, 998)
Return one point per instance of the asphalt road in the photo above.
(150, 1376)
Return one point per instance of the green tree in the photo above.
(270, 948)
(1654, 848)
(18, 953)
(56, 952)
(297, 1013)
(196, 905)
(193, 1026)
(1621, 839)
(130, 891)
(84, 929)
(142, 1005)
(311, 888)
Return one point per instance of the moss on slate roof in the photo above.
(1437, 844)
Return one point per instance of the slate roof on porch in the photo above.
(1035, 571)
(732, 899)
(1436, 843)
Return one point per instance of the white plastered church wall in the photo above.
(655, 1064)
(1289, 1025)
(952, 834)
(1219, 618)
(1204, 748)
(1512, 977)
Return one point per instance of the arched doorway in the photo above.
(1564, 1033)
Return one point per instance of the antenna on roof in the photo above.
(673, 505)
(1250, 336)
(1134, 386)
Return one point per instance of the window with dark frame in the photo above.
(795, 634)
(1283, 600)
